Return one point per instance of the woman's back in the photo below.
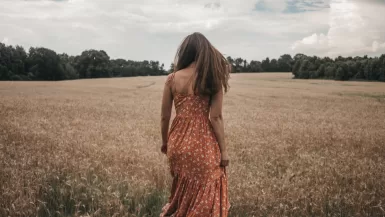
(195, 142)
(194, 155)
(186, 102)
(183, 81)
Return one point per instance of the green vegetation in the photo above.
(357, 68)
(45, 64)
(283, 64)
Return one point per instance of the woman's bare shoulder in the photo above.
(184, 73)
(170, 78)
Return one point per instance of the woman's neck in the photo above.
(192, 65)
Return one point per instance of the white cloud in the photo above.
(378, 47)
(355, 28)
(5, 40)
(152, 29)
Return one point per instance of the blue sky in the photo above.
(300, 6)
(293, 6)
(152, 29)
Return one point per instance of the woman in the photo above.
(195, 145)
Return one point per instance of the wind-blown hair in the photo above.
(212, 68)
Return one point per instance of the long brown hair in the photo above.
(212, 68)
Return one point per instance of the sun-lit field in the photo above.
(92, 147)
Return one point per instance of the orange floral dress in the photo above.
(199, 187)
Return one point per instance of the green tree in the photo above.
(171, 68)
(330, 71)
(255, 66)
(4, 73)
(93, 64)
(285, 63)
(44, 64)
(340, 73)
(304, 69)
(238, 64)
(273, 66)
(299, 56)
(321, 71)
(296, 67)
(231, 61)
(266, 65)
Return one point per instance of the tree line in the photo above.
(340, 68)
(313, 67)
(44, 64)
(283, 64)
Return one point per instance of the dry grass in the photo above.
(91, 147)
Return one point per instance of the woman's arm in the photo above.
(216, 119)
(166, 112)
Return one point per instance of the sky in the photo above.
(153, 29)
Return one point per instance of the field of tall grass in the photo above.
(92, 147)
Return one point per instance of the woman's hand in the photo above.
(164, 149)
(224, 159)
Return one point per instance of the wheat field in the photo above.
(92, 147)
